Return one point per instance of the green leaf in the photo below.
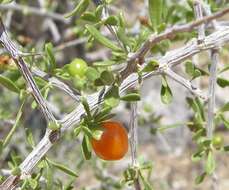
(41, 164)
(49, 175)
(77, 131)
(98, 11)
(6, 82)
(15, 126)
(226, 148)
(189, 68)
(121, 33)
(224, 108)
(145, 183)
(197, 73)
(16, 171)
(200, 178)
(62, 168)
(222, 82)
(210, 164)
(96, 134)
(98, 82)
(155, 12)
(113, 102)
(16, 159)
(105, 111)
(86, 107)
(192, 70)
(101, 39)
(225, 121)
(79, 9)
(197, 107)
(224, 69)
(53, 125)
(121, 20)
(197, 156)
(166, 93)
(6, 1)
(70, 185)
(33, 183)
(111, 20)
(1, 146)
(88, 16)
(104, 63)
(50, 56)
(151, 66)
(86, 147)
(107, 77)
(112, 96)
(201, 132)
(29, 137)
(92, 74)
(87, 132)
(132, 97)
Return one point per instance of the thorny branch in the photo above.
(186, 83)
(211, 104)
(12, 49)
(199, 15)
(134, 139)
(57, 83)
(168, 34)
(212, 78)
(216, 39)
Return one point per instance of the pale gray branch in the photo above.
(32, 87)
(199, 15)
(134, 139)
(58, 84)
(186, 83)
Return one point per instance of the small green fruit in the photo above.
(217, 141)
(77, 67)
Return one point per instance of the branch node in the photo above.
(54, 136)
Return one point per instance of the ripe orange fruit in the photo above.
(113, 143)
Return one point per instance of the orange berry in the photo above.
(113, 144)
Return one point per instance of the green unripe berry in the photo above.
(217, 141)
(77, 67)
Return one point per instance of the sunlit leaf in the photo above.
(101, 39)
(79, 9)
(10, 85)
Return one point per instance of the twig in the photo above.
(207, 11)
(214, 55)
(112, 29)
(133, 132)
(215, 180)
(34, 11)
(134, 139)
(12, 49)
(57, 83)
(50, 24)
(69, 44)
(211, 105)
(199, 15)
(171, 32)
(212, 86)
(186, 83)
(14, 127)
